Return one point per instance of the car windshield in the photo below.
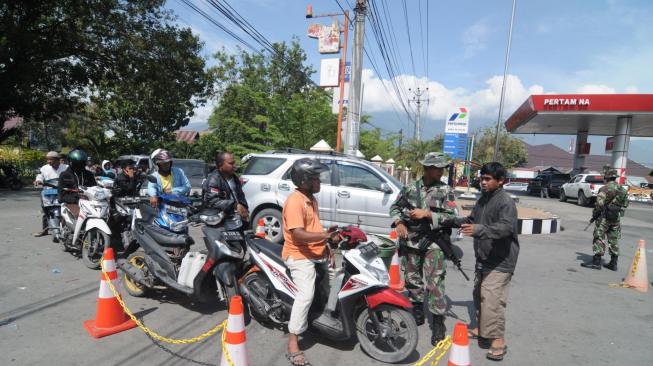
(560, 177)
(192, 168)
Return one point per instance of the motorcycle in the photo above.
(89, 233)
(165, 257)
(360, 302)
(52, 207)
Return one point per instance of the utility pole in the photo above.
(355, 97)
(417, 99)
(503, 85)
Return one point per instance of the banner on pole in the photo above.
(335, 102)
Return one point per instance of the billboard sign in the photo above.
(455, 133)
(329, 71)
(335, 102)
(457, 121)
(609, 144)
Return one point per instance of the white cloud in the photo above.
(632, 89)
(483, 103)
(595, 89)
(475, 37)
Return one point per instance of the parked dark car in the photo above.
(196, 171)
(552, 181)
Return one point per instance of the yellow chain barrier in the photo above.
(442, 347)
(155, 335)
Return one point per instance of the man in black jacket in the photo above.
(126, 182)
(493, 225)
(74, 177)
(226, 184)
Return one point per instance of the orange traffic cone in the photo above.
(235, 339)
(459, 353)
(395, 274)
(260, 229)
(637, 277)
(109, 316)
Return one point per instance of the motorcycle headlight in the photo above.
(100, 196)
(212, 220)
(179, 226)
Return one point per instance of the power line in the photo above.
(410, 43)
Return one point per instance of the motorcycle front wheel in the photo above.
(93, 246)
(393, 340)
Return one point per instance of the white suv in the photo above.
(353, 191)
(583, 187)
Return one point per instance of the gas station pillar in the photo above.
(579, 155)
(620, 150)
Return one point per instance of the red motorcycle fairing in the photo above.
(388, 296)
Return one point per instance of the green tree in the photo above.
(511, 149)
(413, 152)
(267, 101)
(372, 142)
(142, 73)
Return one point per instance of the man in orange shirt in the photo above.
(304, 250)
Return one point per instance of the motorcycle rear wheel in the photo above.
(93, 245)
(136, 259)
(394, 341)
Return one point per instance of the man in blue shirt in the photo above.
(168, 178)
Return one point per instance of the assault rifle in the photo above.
(429, 236)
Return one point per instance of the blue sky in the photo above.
(590, 46)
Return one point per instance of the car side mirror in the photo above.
(151, 178)
(385, 188)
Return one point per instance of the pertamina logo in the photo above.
(462, 114)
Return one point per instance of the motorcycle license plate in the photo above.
(233, 235)
(50, 192)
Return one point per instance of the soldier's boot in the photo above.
(418, 312)
(613, 263)
(595, 264)
(438, 329)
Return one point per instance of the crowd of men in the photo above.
(492, 224)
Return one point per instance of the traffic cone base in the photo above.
(110, 318)
(637, 277)
(235, 339)
(459, 352)
(395, 274)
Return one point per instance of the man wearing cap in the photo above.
(611, 202)
(425, 266)
(49, 171)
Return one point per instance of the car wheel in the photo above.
(582, 200)
(273, 227)
(563, 196)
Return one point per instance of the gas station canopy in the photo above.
(566, 114)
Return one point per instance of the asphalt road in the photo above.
(558, 312)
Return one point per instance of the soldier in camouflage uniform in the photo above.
(425, 265)
(610, 204)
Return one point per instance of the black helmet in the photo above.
(302, 169)
(161, 156)
(77, 155)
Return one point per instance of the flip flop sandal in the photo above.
(471, 335)
(293, 358)
(491, 355)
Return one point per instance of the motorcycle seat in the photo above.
(166, 238)
(269, 248)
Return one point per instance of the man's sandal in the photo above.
(494, 356)
(297, 359)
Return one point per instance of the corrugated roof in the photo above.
(551, 155)
(187, 136)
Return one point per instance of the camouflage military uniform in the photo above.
(612, 196)
(425, 267)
